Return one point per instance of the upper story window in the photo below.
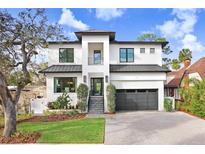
(126, 55)
(152, 50)
(97, 57)
(66, 55)
(65, 84)
(142, 50)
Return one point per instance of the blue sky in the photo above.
(181, 27)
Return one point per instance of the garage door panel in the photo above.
(142, 99)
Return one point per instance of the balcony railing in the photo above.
(95, 61)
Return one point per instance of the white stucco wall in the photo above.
(104, 69)
(139, 58)
(53, 53)
(141, 81)
(51, 96)
(110, 54)
(195, 76)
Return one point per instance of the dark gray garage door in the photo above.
(137, 99)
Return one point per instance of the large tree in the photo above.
(166, 50)
(21, 38)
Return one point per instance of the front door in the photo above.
(97, 86)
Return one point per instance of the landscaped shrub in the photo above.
(62, 102)
(82, 94)
(73, 112)
(168, 105)
(186, 94)
(198, 99)
(111, 91)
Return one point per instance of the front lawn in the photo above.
(89, 130)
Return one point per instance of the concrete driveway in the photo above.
(145, 127)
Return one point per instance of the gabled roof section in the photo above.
(178, 75)
(198, 67)
(62, 69)
(136, 68)
(95, 32)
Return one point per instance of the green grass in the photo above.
(90, 130)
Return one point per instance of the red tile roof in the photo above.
(198, 66)
(175, 82)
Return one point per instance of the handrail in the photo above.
(87, 101)
(93, 61)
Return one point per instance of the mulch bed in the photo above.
(53, 118)
(21, 138)
(191, 114)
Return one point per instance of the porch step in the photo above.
(96, 105)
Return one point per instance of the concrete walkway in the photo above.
(145, 127)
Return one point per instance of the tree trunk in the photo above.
(10, 118)
(9, 107)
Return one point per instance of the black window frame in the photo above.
(152, 52)
(95, 60)
(142, 52)
(126, 49)
(72, 61)
(55, 89)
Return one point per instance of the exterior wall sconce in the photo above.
(84, 78)
(106, 78)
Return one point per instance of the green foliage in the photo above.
(175, 64)
(82, 94)
(186, 94)
(183, 106)
(194, 98)
(62, 102)
(111, 91)
(168, 105)
(185, 54)
(72, 112)
(198, 99)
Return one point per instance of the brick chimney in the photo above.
(187, 63)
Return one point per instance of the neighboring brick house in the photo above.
(175, 78)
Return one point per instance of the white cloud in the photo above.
(108, 14)
(181, 29)
(190, 41)
(183, 23)
(68, 18)
(170, 29)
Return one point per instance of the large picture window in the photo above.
(65, 84)
(66, 55)
(126, 55)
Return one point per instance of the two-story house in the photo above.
(97, 59)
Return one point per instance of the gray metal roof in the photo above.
(95, 32)
(140, 42)
(63, 69)
(113, 68)
(137, 68)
